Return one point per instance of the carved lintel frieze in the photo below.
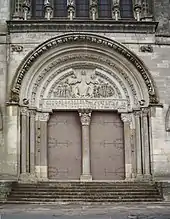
(85, 116)
(16, 48)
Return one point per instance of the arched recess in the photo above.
(83, 72)
(61, 58)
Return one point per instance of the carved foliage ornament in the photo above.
(85, 117)
(70, 38)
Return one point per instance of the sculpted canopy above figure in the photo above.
(84, 84)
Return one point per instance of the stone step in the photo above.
(73, 197)
(79, 200)
(15, 192)
(84, 185)
(89, 188)
(84, 192)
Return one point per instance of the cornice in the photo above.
(126, 26)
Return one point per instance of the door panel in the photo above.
(107, 148)
(64, 146)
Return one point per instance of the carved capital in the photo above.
(145, 112)
(137, 113)
(32, 113)
(126, 118)
(85, 117)
(24, 111)
(43, 116)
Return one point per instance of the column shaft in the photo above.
(32, 141)
(138, 144)
(145, 142)
(85, 117)
(24, 120)
(43, 145)
(126, 118)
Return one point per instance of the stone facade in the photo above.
(29, 50)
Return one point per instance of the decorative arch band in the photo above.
(86, 38)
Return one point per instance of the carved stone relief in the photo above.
(70, 38)
(84, 84)
(98, 74)
(77, 57)
(16, 48)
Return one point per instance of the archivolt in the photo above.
(85, 39)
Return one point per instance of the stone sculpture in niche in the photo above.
(84, 84)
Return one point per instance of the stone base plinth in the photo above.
(86, 178)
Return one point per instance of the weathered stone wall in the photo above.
(159, 65)
(4, 15)
(157, 62)
(162, 15)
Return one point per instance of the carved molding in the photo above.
(85, 116)
(126, 26)
(89, 38)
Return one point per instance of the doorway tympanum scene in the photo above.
(84, 106)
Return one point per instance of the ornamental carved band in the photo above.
(88, 38)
